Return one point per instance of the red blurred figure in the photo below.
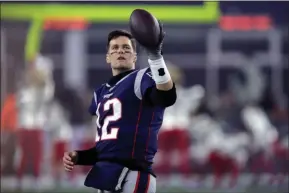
(58, 123)
(264, 135)
(8, 135)
(174, 138)
(225, 153)
(229, 158)
(33, 98)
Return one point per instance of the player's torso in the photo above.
(127, 127)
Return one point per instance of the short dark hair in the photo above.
(117, 33)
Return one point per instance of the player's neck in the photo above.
(116, 72)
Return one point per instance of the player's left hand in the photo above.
(155, 52)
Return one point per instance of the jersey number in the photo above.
(116, 107)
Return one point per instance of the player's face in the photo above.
(121, 55)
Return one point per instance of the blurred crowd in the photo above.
(242, 131)
(245, 131)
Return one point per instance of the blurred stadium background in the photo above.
(228, 131)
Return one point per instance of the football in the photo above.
(144, 27)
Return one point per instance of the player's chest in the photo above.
(115, 98)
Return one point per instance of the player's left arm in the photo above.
(164, 92)
(154, 96)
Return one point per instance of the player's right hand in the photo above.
(69, 159)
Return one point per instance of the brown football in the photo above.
(144, 27)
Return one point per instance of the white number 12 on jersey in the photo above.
(116, 106)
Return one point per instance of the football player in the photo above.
(129, 109)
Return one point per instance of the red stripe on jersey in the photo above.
(147, 143)
(148, 184)
(136, 129)
(137, 182)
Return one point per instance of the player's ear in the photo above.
(135, 58)
(107, 58)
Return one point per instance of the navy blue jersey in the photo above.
(127, 126)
